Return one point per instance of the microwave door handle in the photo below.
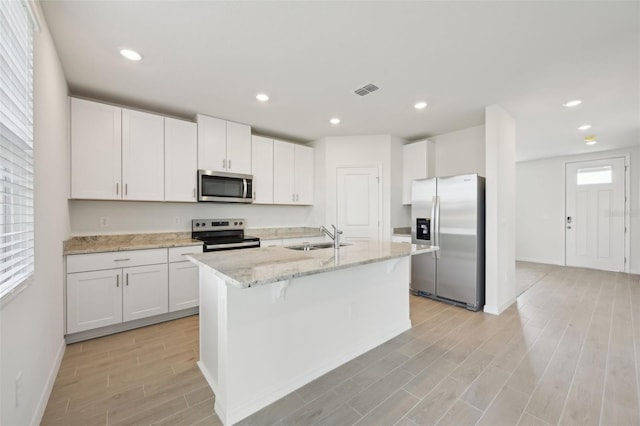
(244, 185)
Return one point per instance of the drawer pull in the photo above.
(117, 280)
(127, 280)
(122, 260)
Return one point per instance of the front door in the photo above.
(595, 214)
(358, 203)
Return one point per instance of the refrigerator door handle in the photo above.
(436, 224)
(432, 224)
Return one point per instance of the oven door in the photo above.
(224, 187)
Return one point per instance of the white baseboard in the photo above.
(46, 392)
(537, 260)
(497, 310)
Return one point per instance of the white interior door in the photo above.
(595, 214)
(358, 203)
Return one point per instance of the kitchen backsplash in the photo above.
(117, 217)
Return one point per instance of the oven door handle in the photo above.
(232, 245)
(244, 185)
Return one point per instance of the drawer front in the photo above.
(114, 259)
(176, 254)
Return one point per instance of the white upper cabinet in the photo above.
(238, 148)
(303, 174)
(262, 169)
(223, 146)
(212, 143)
(96, 150)
(417, 163)
(292, 173)
(142, 156)
(180, 160)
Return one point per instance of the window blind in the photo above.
(16, 144)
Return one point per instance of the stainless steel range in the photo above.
(222, 234)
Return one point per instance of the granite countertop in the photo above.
(272, 264)
(105, 243)
(277, 233)
(402, 231)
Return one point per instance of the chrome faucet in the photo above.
(335, 236)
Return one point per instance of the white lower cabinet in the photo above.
(145, 292)
(94, 299)
(183, 286)
(105, 289)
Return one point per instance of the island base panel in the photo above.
(259, 344)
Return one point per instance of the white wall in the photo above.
(133, 217)
(360, 151)
(31, 324)
(500, 211)
(540, 202)
(460, 152)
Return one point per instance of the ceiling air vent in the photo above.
(362, 91)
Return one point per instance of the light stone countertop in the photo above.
(267, 265)
(106, 243)
(284, 233)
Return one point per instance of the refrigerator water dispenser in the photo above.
(423, 227)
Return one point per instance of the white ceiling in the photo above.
(214, 57)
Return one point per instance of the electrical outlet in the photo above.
(104, 221)
(176, 220)
(18, 389)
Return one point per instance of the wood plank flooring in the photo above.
(564, 354)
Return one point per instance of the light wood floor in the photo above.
(564, 354)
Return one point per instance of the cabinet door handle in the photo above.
(117, 188)
(297, 197)
(126, 189)
(254, 195)
(224, 164)
(293, 197)
(194, 193)
(229, 164)
(127, 275)
(117, 280)
(122, 260)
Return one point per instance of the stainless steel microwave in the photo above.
(224, 187)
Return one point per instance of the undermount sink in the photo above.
(316, 246)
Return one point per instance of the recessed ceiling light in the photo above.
(584, 127)
(334, 121)
(420, 105)
(262, 97)
(590, 140)
(131, 55)
(573, 103)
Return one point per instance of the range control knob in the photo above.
(240, 223)
(197, 224)
(235, 223)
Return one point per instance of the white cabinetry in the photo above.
(401, 239)
(180, 160)
(183, 279)
(94, 299)
(223, 146)
(109, 288)
(417, 163)
(292, 173)
(262, 169)
(145, 291)
(142, 156)
(96, 150)
(116, 153)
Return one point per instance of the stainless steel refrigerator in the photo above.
(449, 212)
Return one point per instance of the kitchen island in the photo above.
(273, 319)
